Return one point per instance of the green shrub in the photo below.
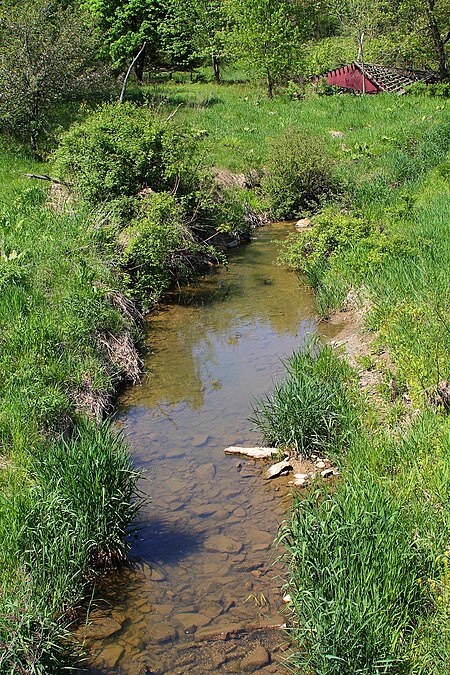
(156, 248)
(332, 231)
(436, 89)
(298, 174)
(121, 149)
(310, 410)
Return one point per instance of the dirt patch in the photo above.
(227, 179)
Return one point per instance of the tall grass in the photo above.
(310, 410)
(66, 485)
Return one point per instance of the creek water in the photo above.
(205, 591)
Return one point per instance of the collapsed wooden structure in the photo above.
(370, 78)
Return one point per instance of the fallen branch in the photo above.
(57, 181)
(124, 86)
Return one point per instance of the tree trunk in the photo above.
(438, 41)
(139, 66)
(269, 84)
(216, 68)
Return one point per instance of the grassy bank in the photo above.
(66, 484)
(136, 215)
(369, 559)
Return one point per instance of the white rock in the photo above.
(253, 453)
(301, 475)
(303, 223)
(320, 465)
(286, 598)
(327, 473)
(278, 468)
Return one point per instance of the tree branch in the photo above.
(124, 86)
(45, 177)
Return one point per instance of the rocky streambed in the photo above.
(205, 592)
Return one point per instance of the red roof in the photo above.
(376, 78)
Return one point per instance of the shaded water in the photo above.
(204, 546)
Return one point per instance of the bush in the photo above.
(298, 174)
(310, 410)
(437, 89)
(157, 246)
(122, 148)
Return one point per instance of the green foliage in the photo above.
(354, 566)
(157, 249)
(122, 149)
(65, 505)
(438, 89)
(125, 25)
(56, 533)
(265, 37)
(48, 55)
(310, 411)
(298, 175)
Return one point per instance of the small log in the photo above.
(252, 453)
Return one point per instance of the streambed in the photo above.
(206, 589)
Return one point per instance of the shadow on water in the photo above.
(164, 543)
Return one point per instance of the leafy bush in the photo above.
(437, 89)
(310, 410)
(156, 248)
(122, 148)
(298, 174)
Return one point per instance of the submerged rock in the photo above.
(256, 659)
(102, 629)
(163, 632)
(111, 655)
(223, 544)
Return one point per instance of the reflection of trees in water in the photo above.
(188, 340)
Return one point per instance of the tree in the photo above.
(195, 29)
(125, 26)
(265, 36)
(46, 56)
(406, 32)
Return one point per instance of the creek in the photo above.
(205, 590)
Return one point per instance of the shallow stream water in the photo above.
(205, 591)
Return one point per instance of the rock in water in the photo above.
(303, 223)
(256, 659)
(279, 468)
(252, 453)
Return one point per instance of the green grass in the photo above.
(240, 121)
(310, 410)
(66, 485)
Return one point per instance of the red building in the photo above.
(373, 79)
